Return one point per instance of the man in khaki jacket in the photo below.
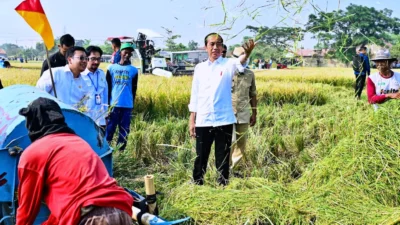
(244, 98)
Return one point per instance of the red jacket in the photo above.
(63, 171)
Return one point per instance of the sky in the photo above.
(192, 19)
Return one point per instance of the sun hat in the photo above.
(383, 54)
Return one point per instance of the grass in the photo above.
(315, 156)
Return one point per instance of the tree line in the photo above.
(339, 31)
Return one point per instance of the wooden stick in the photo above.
(149, 184)
(150, 190)
(51, 72)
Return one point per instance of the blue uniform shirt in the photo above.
(121, 85)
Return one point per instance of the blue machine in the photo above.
(14, 137)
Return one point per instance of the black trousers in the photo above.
(205, 137)
(360, 82)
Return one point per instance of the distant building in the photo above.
(3, 53)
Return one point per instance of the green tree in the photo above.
(180, 47)
(193, 45)
(395, 49)
(171, 41)
(344, 30)
(107, 48)
(11, 49)
(86, 43)
(281, 38)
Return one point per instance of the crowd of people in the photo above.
(78, 190)
(223, 105)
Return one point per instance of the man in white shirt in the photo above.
(70, 87)
(97, 103)
(211, 111)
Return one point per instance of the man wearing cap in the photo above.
(211, 111)
(61, 169)
(384, 84)
(361, 69)
(244, 95)
(122, 79)
(97, 103)
(70, 87)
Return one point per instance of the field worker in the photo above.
(244, 95)
(122, 79)
(71, 88)
(59, 59)
(361, 69)
(97, 103)
(224, 51)
(2, 63)
(211, 111)
(61, 169)
(116, 45)
(384, 84)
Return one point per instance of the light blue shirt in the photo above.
(97, 103)
(211, 95)
(122, 78)
(70, 90)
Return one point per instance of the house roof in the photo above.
(2, 51)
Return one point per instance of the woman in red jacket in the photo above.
(61, 169)
(384, 84)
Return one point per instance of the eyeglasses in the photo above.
(82, 58)
(93, 59)
(212, 44)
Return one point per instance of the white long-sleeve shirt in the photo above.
(211, 96)
(71, 91)
(97, 103)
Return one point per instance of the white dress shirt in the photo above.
(71, 91)
(97, 103)
(211, 96)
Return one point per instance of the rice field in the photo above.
(315, 156)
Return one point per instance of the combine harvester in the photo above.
(144, 58)
(14, 139)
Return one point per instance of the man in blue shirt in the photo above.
(122, 81)
(361, 68)
(116, 45)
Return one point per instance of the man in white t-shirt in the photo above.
(384, 84)
(211, 112)
(70, 87)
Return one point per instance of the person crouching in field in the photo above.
(122, 79)
(61, 169)
(211, 111)
(244, 94)
(384, 84)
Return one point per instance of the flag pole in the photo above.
(51, 72)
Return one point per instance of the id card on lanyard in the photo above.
(97, 97)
